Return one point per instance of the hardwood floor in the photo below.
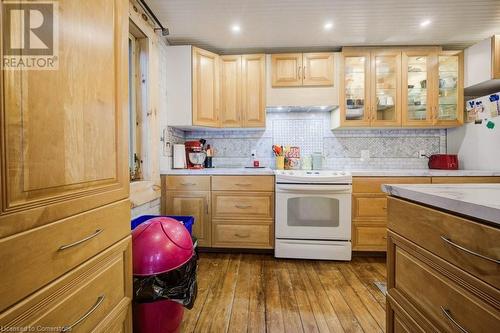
(258, 293)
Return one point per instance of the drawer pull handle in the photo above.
(188, 184)
(242, 236)
(64, 247)
(94, 307)
(449, 241)
(243, 184)
(243, 206)
(448, 315)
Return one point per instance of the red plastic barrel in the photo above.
(159, 245)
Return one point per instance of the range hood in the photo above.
(292, 108)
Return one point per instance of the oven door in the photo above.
(305, 211)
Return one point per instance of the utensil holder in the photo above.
(280, 162)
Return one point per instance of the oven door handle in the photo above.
(308, 188)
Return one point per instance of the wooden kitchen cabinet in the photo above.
(205, 88)
(231, 105)
(253, 90)
(370, 92)
(391, 87)
(434, 286)
(286, 69)
(229, 211)
(189, 195)
(243, 90)
(302, 69)
(433, 88)
(369, 210)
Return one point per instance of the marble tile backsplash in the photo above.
(388, 148)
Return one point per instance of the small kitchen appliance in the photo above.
(195, 156)
(443, 161)
(313, 214)
(179, 156)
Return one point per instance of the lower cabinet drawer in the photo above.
(81, 299)
(369, 207)
(369, 238)
(439, 299)
(453, 238)
(243, 205)
(242, 234)
(36, 257)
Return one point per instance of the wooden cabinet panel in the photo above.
(64, 132)
(440, 299)
(205, 88)
(374, 184)
(436, 231)
(355, 88)
(101, 284)
(419, 87)
(243, 234)
(196, 204)
(459, 180)
(449, 90)
(231, 104)
(26, 268)
(317, 69)
(369, 208)
(369, 238)
(495, 56)
(187, 183)
(385, 88)
(286, 69)
(255, 205)
(253, 89)
(243, 183)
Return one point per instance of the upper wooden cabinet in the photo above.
(302, 69)
(64, 132)
(253, 69)
(243, 90)
(230, 67)
(205, 88)
(388, 87)
(433, 88)
(370, 92)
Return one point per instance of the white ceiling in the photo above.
(280, 24)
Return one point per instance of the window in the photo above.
(134, 159)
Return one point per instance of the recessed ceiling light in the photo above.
(425, 23)
(235, 28)
(328, 26)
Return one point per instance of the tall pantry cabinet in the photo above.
(65, 248)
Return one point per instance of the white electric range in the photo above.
(313, 214)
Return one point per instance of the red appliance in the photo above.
(443, 161)
(196, 149)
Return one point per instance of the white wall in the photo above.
(477, 146)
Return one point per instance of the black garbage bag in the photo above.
(178, 285)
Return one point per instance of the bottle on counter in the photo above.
(208, 160)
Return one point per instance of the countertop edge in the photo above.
(476, 211)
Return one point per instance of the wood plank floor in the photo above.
(258, 293)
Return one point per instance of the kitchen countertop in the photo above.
(354, 172)
(481, 201)
(220, 171)
(422, 173)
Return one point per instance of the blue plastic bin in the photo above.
(188, 221)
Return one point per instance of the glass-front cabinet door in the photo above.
(385, 88)
(417, 101)
(355, 89)
(450, 99)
